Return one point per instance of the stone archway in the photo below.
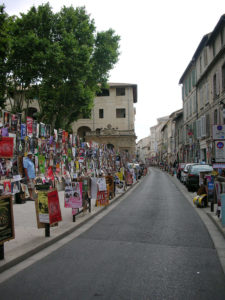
(110, 146)
(82, 132)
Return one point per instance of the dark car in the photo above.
(192, 181)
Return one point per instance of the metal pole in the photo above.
(74, 218)
(2, 251)
(47, 230)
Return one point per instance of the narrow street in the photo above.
(153, 245)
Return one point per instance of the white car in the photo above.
(184, 172)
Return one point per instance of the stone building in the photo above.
(112, 118)
(203, 85)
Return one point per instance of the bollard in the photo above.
(89, 200)
(47, 230)
(2, 256)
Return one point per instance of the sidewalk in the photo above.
(206, 210)
(29, 239)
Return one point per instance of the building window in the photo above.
(222, 37)
(214, 86)
(223, 77)
(121, 113)
(193, 77)
(101, 113)
(120, 91)
(205, 57)
(200, 64)
(215, 117)
(103, 93)
(214, 49)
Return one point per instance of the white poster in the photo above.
(101, 184)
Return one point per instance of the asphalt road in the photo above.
(153, 245)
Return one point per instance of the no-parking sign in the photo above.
(220, 151)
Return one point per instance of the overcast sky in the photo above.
(158, 40)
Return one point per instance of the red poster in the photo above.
(6, 147)
(102, 198)
(54, 208)
(29, 126)
(7, 187)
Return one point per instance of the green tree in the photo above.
(61, 60)
(3, 54)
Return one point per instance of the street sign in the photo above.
(218, 132)
(220, 151)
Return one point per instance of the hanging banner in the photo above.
(23, 131)
(6, 147)
(29, 126)
(7, 231)
(14, 120)
(54, 207)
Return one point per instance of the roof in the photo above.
(216, 30)
(195, 56)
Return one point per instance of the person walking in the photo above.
(29, 170)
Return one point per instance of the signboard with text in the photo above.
(218, 132)
(220, 151)
(6, 219)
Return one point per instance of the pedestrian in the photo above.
(29, 170)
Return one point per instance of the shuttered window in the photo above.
(203, 126)
(207, 125)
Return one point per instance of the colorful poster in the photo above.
(6, 219)
(23, 131)
(6, 147)
(6, 118)
(73, 194)
(15, 187)
(43, 207)
(7, 187)
(102, 199)
(14, 120)
(41, 162)
(29, 126)
(54, 207)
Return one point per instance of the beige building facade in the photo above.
(112, 118)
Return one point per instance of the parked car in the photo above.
(192, 181)
(179, 170)
(184, 172)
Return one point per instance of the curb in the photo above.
(210, 216)
(46, 244)
(216, 223)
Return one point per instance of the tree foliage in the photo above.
(3, 54)
(60, 60)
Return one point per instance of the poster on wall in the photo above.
(7, 231)
(54, 207)
(6, 147)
